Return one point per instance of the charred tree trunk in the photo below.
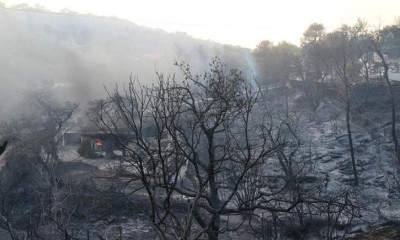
(216, 219)
(348, 124)
(393, 108)
(3, 147)
(378, 50)
(286, 101)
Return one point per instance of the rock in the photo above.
(345, 165)
(363, 163)
(348, 180)
(326, 159)
(305, 156)
(308, 179)
(358, 139)
(320, 155)
(349, 171)
(331, 145)
(344, 141)
(341, 136)
(365, 139)
(358, 135)
(337, 151)
(336, 155)
(379, 183)
(273, 186)
(357, 230)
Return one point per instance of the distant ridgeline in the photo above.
(77, 55)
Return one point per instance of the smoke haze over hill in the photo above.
(76, 56)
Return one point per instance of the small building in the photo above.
(96, 143)
(375, 68)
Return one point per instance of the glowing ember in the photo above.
(99, 142)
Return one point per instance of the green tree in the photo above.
(267, 70)
(315, 66)
(276, 66)
(390, 41)
(314, 34)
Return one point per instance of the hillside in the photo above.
(75, 56)
(210, 157)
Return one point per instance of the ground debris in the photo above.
(381, 233)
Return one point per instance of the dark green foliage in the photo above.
(392, 41)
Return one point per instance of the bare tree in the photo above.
(32, 194)
(343, 44)
(376, 43)
(54, 118)
(201, 139)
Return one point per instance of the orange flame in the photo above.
(99, 142)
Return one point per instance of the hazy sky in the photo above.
(243, 23)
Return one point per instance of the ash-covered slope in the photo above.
(378, 194)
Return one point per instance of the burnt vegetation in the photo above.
(306, 148)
